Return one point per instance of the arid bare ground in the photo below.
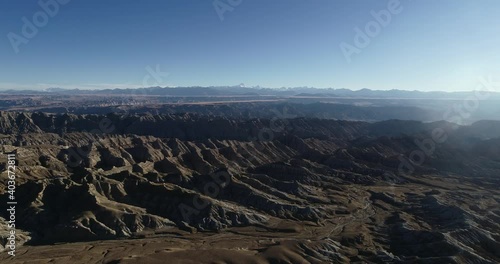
(373, 233)
(320, 191)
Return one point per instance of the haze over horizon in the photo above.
(99, 45)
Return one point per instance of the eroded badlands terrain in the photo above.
(169, 188)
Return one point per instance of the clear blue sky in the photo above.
(429, 45)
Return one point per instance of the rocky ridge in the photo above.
(332, 186)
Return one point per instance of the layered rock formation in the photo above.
(312, 191)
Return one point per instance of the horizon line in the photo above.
(257, 87)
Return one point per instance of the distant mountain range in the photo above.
(246, 91)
